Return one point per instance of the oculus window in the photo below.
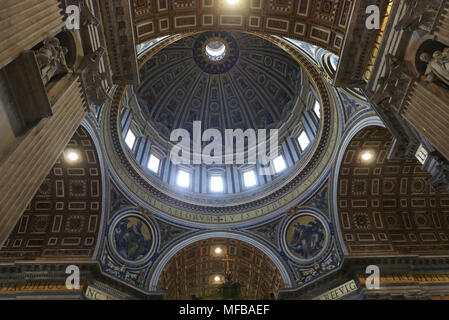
(216, 50)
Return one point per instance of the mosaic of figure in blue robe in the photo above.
(130, 241)
(307, 239)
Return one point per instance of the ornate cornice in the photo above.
(352, 267)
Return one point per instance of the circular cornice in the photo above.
(289, 194)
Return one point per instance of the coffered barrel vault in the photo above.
(192, 270)
(386, 206)
(62, 221)
(321, 22)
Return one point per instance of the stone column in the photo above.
(25, 23)
(25, 168)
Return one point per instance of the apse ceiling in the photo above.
(251, 83)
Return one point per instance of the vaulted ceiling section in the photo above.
(62, 220)
(387, 207)
(193, 269)
(320, 22)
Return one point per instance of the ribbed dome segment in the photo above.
(251, 86)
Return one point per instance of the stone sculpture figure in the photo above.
(440, 172)
(51, 59)
(87, 17)
(437, 66)
(393, 84)
(93, 77)
(419, 14)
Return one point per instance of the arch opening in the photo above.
(207, 268)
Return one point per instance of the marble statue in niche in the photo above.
(51, 59)
(437, 66)
(93, 78)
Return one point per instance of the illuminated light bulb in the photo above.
(218, 250)
(232, 2)
(367, 156)
(217, 279)
(73, 156)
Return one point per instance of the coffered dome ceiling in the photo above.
(226, 80)
(250, 83)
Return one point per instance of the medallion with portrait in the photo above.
(306, 237)
(132, 238)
